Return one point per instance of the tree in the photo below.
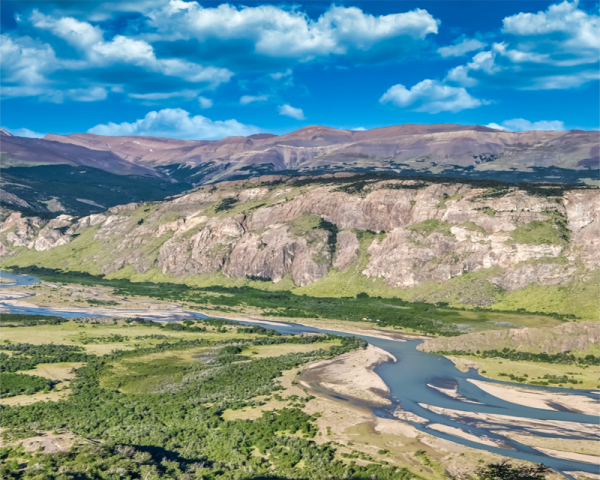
(505, 471)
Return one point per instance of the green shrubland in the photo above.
(12, 384)
(178, 431)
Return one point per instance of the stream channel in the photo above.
(408, 380)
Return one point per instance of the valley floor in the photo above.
(335, 393)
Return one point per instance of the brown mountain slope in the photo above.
(428, 148)
(34, 151)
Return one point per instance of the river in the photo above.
(408, 380)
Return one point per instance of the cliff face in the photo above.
(406, 232)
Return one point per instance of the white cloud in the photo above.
(176, 123)
(578, 31)
(228, 36)
(290, 111)
(25, 61)
(91, 94)
(431, 96)
(495, 126)
(280, 75)
(102, 11)
(288, 32)
(481, 62)
(552, 49)
(205, 102)
(27, 64)
(247, 99)
(358, 129)
(522, 125)
(461, 48)
(24, 132)
(140, 53)
(157, 96)
(78, 34)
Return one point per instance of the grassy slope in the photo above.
(493, 367)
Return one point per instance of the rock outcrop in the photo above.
(411, 232)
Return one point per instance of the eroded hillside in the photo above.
(340, 235)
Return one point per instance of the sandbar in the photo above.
(540, 399)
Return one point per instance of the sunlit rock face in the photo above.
(405, 232)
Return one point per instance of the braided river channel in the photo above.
(412, 379)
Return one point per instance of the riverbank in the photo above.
(350, 375)
(57, 299)
(346, 390)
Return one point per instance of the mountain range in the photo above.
(169, 166)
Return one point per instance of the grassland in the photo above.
(120, 398)
(68, 334)
(415, 317)
(529, 372)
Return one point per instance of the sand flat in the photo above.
(489, 420)
(540, 399)
(351, 375)
(457, 432)
(577, 457)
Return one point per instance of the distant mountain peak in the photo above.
(411, 149)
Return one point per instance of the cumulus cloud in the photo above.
(522, 125)
(191, 44)
(552, 49)
(247, 99)
(483, 62)
(290, 111)
(578, 31)
(290, 33)
(461, 48)
(81, 35)
(141, 54)
(24, 132)
(30, 67)
(25, 61)
(431, 96)
(177, 123)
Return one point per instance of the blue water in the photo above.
(407, 380)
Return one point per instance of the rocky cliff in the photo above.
(399, 236)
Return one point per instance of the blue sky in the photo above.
(206, 70)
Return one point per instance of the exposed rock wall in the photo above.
(419, 232)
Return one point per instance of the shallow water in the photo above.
(408, 380)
